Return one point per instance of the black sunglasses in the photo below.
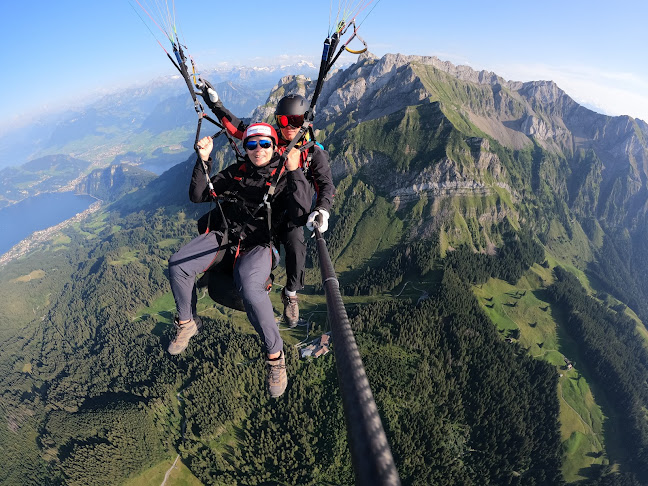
(252, 144)
(295, 121)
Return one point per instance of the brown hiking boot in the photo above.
(277, 377)
(184, 332)
(291, 308)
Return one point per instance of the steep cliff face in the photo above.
(470, 145)
(111, 183)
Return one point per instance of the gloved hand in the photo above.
(318, 219)
(207, 91)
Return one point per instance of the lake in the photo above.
(20, 220)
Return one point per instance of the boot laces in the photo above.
(182, 331)
(291, 301)
(275, 370)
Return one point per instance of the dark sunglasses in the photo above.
(253, 144)
(293, 120)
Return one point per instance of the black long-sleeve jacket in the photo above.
(318, 171)
(249, 184)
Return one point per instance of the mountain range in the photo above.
(489, 237)
(128, 119)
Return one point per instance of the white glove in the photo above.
(318, 219)
(207, 91)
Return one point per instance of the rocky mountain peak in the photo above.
(372, 111)
(377, 104)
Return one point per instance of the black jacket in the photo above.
(318, 171)
(249, 184)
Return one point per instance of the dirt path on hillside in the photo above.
(166, 476)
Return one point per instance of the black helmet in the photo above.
(290, 111)
(293, 104)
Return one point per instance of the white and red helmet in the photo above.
(260, 130)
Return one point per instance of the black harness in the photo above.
(234, 236)
(218, 277)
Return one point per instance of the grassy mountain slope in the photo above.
(538, 182)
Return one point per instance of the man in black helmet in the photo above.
(289, 117)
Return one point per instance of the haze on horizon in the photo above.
(70, 53)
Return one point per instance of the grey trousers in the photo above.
(251, 272)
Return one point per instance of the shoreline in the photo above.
(41, 236)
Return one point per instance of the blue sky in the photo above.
(60, 52)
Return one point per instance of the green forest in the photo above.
(90, 397)
(102, 400)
